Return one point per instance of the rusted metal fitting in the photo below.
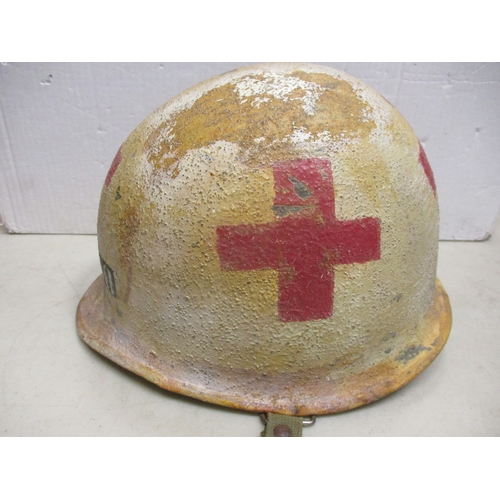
(284, 425)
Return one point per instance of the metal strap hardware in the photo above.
(284, 425)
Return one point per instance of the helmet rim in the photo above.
(286, 393)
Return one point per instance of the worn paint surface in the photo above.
(269, 242)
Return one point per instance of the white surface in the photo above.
(61, 125)
(52, 384)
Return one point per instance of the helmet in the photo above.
(268, 242)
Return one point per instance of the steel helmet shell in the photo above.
(269, 242)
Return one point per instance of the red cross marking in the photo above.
(304, 243)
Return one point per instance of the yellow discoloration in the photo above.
(221, 114)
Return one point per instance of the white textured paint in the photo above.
(61, 124)
(280, 89)
(300, 135)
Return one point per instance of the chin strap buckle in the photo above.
(284, 425)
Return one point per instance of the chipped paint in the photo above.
(205, 122)
(411, 352)
(283, 87)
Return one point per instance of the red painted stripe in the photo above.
(114, 166)
(422, 158)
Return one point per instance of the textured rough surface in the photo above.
(334, 306)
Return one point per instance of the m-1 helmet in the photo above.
(268, 242)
